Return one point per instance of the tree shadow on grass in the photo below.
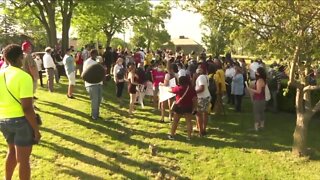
(69, 170)
(148, 165)
(118, 132)
(89, 160)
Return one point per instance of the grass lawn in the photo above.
(117, 146)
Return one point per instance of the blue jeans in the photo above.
(95, 92)
(17, 131)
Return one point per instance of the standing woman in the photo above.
(203, 94)
(171, 68)
(17, 117)
(259, 102)
(119, 74)
(132, 86)
(185, 98)
(237, 87)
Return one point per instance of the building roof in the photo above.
(184, 41)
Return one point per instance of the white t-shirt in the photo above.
(86, 64)
(203, 80)
(230, 72)
(253, 69)
(48, 61)
(116, 69)
(85, 54)
(142, 56)
(39, 63)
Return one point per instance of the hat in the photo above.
(25, 45)
(47, 49)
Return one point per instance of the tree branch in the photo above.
(311, 88)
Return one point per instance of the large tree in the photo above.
(110, 17)
(286, 28)
(47, 13)
(151, 28)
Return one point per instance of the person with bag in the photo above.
(259, 98)
(93, 88)
(18, 121)
(183, 106)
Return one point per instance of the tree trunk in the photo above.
(109, 38)
(300, 135)
(65, 34)
(148, 44)
(301, 131)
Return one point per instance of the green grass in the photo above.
(74, 147)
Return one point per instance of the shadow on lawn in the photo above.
(69, 170)
(149, 165)
(118, 132)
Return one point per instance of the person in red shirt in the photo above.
(185, 105)
(79, 62)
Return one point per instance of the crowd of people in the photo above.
(197, 85)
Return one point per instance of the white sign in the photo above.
(164, 94)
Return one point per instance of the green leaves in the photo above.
(94, 17)
(149, 31)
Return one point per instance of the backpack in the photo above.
(212, 86)
(120, 74)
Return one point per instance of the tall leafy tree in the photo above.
(288, 28)
(151, 27)
(110, 17)
(47, 13)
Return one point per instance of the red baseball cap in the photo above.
(26, 45)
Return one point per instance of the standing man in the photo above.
(94, 90)
(68, 63)
(107, 59)
(29, 65)
(85, 53)
(50, 67)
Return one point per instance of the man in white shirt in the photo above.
(50, 67)
(94, 90)
(203, 94)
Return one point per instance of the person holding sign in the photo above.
(169, 81)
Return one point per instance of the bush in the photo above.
(287, 103)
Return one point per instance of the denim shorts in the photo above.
(17, 131)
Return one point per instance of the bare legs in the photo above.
(132, 101)
(18, 155)
(176, 118)
(70, 90)
(11, 162)
(202, 121)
